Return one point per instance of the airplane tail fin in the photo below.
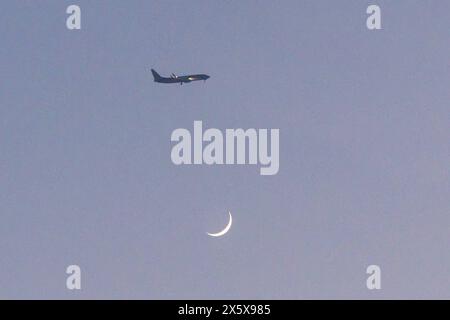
(156, 76)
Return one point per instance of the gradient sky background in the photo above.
(85, 170)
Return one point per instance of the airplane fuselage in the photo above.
(179, 79)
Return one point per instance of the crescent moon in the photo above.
(224, 231)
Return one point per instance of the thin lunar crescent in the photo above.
(221, 233)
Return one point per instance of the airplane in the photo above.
(179, 79)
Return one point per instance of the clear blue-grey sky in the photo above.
(86, 176)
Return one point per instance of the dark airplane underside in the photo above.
(178, 79)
